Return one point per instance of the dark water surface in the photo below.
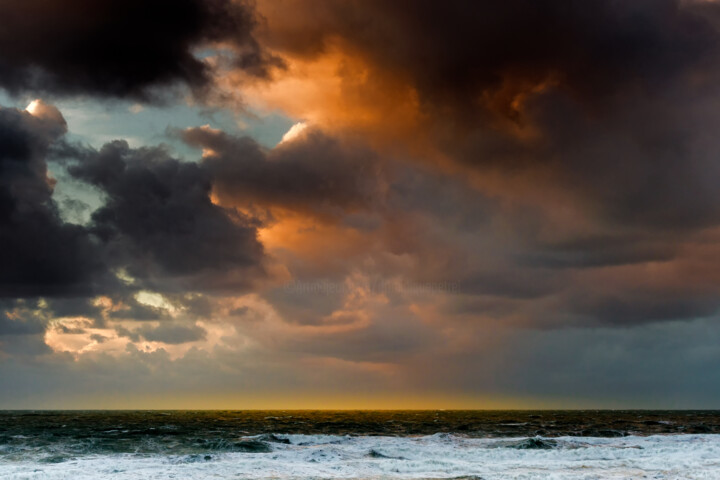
(186, 432)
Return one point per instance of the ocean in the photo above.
(359, 444)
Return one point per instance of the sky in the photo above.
(359, 204)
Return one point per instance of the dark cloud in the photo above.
(19, 317)
(22, 328)
(510, 282)
(24, 346)
(560, 219)
(649, 366)
(313, 172)
(98, 338)
(598, 251)
(308, 301)
(173, 333)
(159, 223)
(647, 162)
(197, 306)
(641, 307)
(39, 253)
(74, 307)
(449, 197)
(634, 295)
(133, 335)
(453, 51)
(122, 48)
(608, 102)
(131, 309)
(379, 341)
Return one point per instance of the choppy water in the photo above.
(372, 444)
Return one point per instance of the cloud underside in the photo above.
(477, 188)
(145, 50)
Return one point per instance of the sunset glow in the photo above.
(361, 203)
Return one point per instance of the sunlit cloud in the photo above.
(468, 201)
(294, 132)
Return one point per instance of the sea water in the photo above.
(367, 445)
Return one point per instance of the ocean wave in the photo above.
(693, 456)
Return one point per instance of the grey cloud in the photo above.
(40, 254)
(133, 310)
(123, 48)
(159, 223)
(598, 250)
(314, 172)
(453, 51)
(645, 305)
(172, 333)
(73, 307)
(665, 365)
(19, 317)
(608, 103)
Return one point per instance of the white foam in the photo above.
(436, 456)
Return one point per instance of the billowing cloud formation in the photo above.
(588, 124)
(159, 224)
(314, 171)
(40, 254)
(458, 51)
(464, 59)
(122, 48)
(603, 106)
(488, 198)
(180, 235)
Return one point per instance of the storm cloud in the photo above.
(469, 198)
(458, 56)
(159, 223)
(123, 49)
(315, 172)
(39, 252)
(603, 105)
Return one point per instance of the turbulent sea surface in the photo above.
(360, 444)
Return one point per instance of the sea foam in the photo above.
(688, 456)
